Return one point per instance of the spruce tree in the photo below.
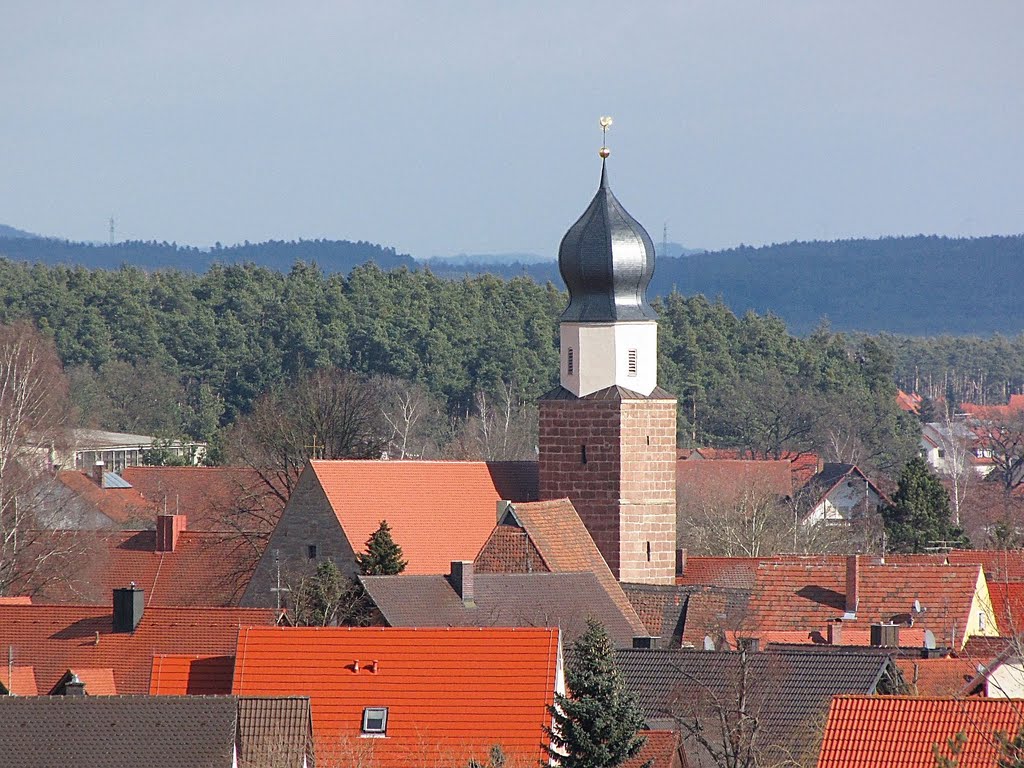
(919, 513)
(383, 557)
(596, 725)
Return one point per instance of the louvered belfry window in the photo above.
(570, 362)
(631, 363)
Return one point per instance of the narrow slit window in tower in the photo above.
(648, 551)
(569, 362)
(631, 364)
(583, 454)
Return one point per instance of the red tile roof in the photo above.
(125, 507)
(1008, 605)
(804, 596)
(55, 638)
(662, 748)
(557, 534)
(209, 496)
(937, 677)
(999, 564)
(99, 681)
(205, 569)
(728, 481)
(202, 675)
(898, 731)
(438, 511)
(908, 401)
(725, 572)
(451, 694)
(18, 681)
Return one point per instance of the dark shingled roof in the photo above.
(117, 731)
(564, 600)
(613, 393)
(787, 691)
(662, 609)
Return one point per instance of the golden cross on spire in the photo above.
(313, 449)
(606, 123)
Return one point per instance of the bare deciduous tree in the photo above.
(326, 414)
(33, 419)
(502, 428)
(413, 417)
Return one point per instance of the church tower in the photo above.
(608, 432)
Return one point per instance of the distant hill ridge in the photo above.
(917, 285)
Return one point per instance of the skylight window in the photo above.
(375, 721)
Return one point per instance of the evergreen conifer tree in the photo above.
(919, 512)
(383, 557)
(596, 725)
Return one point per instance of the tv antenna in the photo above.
(111, 230)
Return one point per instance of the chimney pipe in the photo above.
(852, 585)
(129, 604)
(462, 581)
(97, 472)
(680, 562)
(168, 529)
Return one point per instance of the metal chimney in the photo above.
(129, 604)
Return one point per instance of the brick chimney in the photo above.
(129, 604)
(852, 584)
(462, 581)
(97, 472)
(835, 632)
(168, 528)
(74, 686)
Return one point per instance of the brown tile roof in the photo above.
(984, 649)
(899, 732)
(205, 569)
(563, 600)
(662, 609)
(716, 614)
(275, 732)
(117, 731)
(725, 572)
(55, 638)
(563, 543)
(438, 511)
(209, 496)
(451, 694)
(196, 675)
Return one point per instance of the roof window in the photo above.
(375, 721)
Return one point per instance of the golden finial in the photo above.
(606, 123)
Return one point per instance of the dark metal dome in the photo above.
(607, 261)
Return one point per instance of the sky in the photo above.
(441, 128)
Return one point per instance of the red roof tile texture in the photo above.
(450, 693)
(729, 481)
(56, 638)
(178, 675)
(438, 511)
(899, 732)
(937, 677)
(560, 538)
(209, 497)
(18, 681)
(125, 507)
(792, 596)
(205, 569)
(661, 748)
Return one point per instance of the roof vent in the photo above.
(74, 686)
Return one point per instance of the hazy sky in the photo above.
(441, 128)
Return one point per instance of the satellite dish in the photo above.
(929, 639)
(709, 644)
(917, 606)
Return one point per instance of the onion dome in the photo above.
(607, 261)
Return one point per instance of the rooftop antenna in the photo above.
(278, 589)
(606, 123)
(664, 241)
(111, 230)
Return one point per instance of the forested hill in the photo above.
(922, 285)
(919, 286)
(331, 255)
